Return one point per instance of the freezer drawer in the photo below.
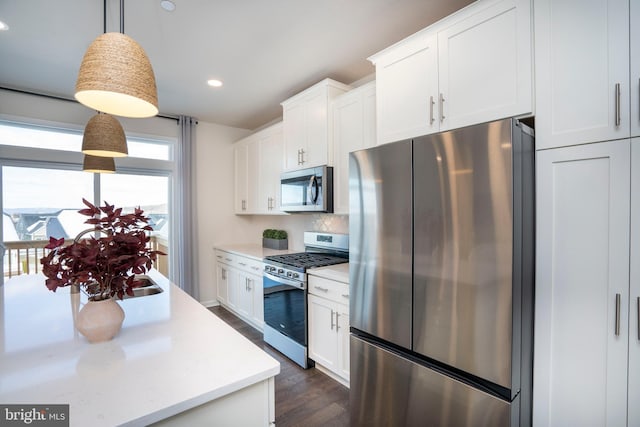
(387, 389)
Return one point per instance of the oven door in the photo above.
(307, 190)
(285, 307)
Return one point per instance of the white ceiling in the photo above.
(263, 50)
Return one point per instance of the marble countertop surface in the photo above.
(171, 355)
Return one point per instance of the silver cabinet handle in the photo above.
(256, 268)
(228, 259)
(638, 303)
(431, 104)
(269, 203)
(302, 156)
(248, 285)
(441, 107)
(617, 104)
(299, 156)
(244, 205)
(242, 264)
(224, 274)
(337, 322)
(321, 289)
(332, 324)
(219, 256)
(345, 295)
(617, 314)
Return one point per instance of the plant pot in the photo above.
(275, 243)
(100, 320)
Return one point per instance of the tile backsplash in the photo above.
(330, 223)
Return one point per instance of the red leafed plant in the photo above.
(104, 266)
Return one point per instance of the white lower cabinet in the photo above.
(587, 347)
(239, 283)
(328, 308)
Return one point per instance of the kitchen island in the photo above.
(173, 362)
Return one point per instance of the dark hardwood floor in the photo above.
(304, 397)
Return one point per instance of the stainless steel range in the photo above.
(285, 291)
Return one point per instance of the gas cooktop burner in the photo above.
(304, 260)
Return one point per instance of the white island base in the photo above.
(173, 363)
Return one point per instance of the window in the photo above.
(41, 195)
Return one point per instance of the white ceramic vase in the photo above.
(100, 320)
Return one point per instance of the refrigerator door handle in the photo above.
(617, 314)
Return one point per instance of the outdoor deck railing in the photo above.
(23, 257)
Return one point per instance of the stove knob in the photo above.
(296, 275)
(280, 271)
(289, 274)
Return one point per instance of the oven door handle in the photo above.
(294, 283)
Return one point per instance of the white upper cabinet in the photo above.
(407, 89)
(354, 128)
(241, 176)
(485, 66)
(270, 165)
(472, 67)
(307, 125)
(635, 67)
(258, 164)
(582, 71)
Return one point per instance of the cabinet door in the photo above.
(343, 341)
(222, 283)
(634, 305)
(407, 90)
(270, 166)
(294, 134)
(322, 332)
(580, 361)
(635, 68)
(582, 54)
(241, 163)
(353, 118)
(244, 306)
(316, 130)
(257, 303)
(485, 65)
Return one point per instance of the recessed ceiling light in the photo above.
(3, 26)
(168, 5)
(214, 83)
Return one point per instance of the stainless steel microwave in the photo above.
(307, 190)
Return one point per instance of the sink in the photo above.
(147, 287)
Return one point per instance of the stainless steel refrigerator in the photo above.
(441, 232)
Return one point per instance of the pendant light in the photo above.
(104, 136)
(116, 76)
(96, 164)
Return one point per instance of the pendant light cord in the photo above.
(122, 16)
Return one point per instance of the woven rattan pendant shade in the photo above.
(116, 77)
(104, 136)
(96, 164)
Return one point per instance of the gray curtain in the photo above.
(186, 275)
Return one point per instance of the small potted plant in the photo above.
(275, 239)
(105, 266)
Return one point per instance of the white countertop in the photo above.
(256, 252)
(337, 272)
(171, 355)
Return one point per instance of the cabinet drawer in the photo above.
(249, 265)
(330, 289)
(225, 257)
